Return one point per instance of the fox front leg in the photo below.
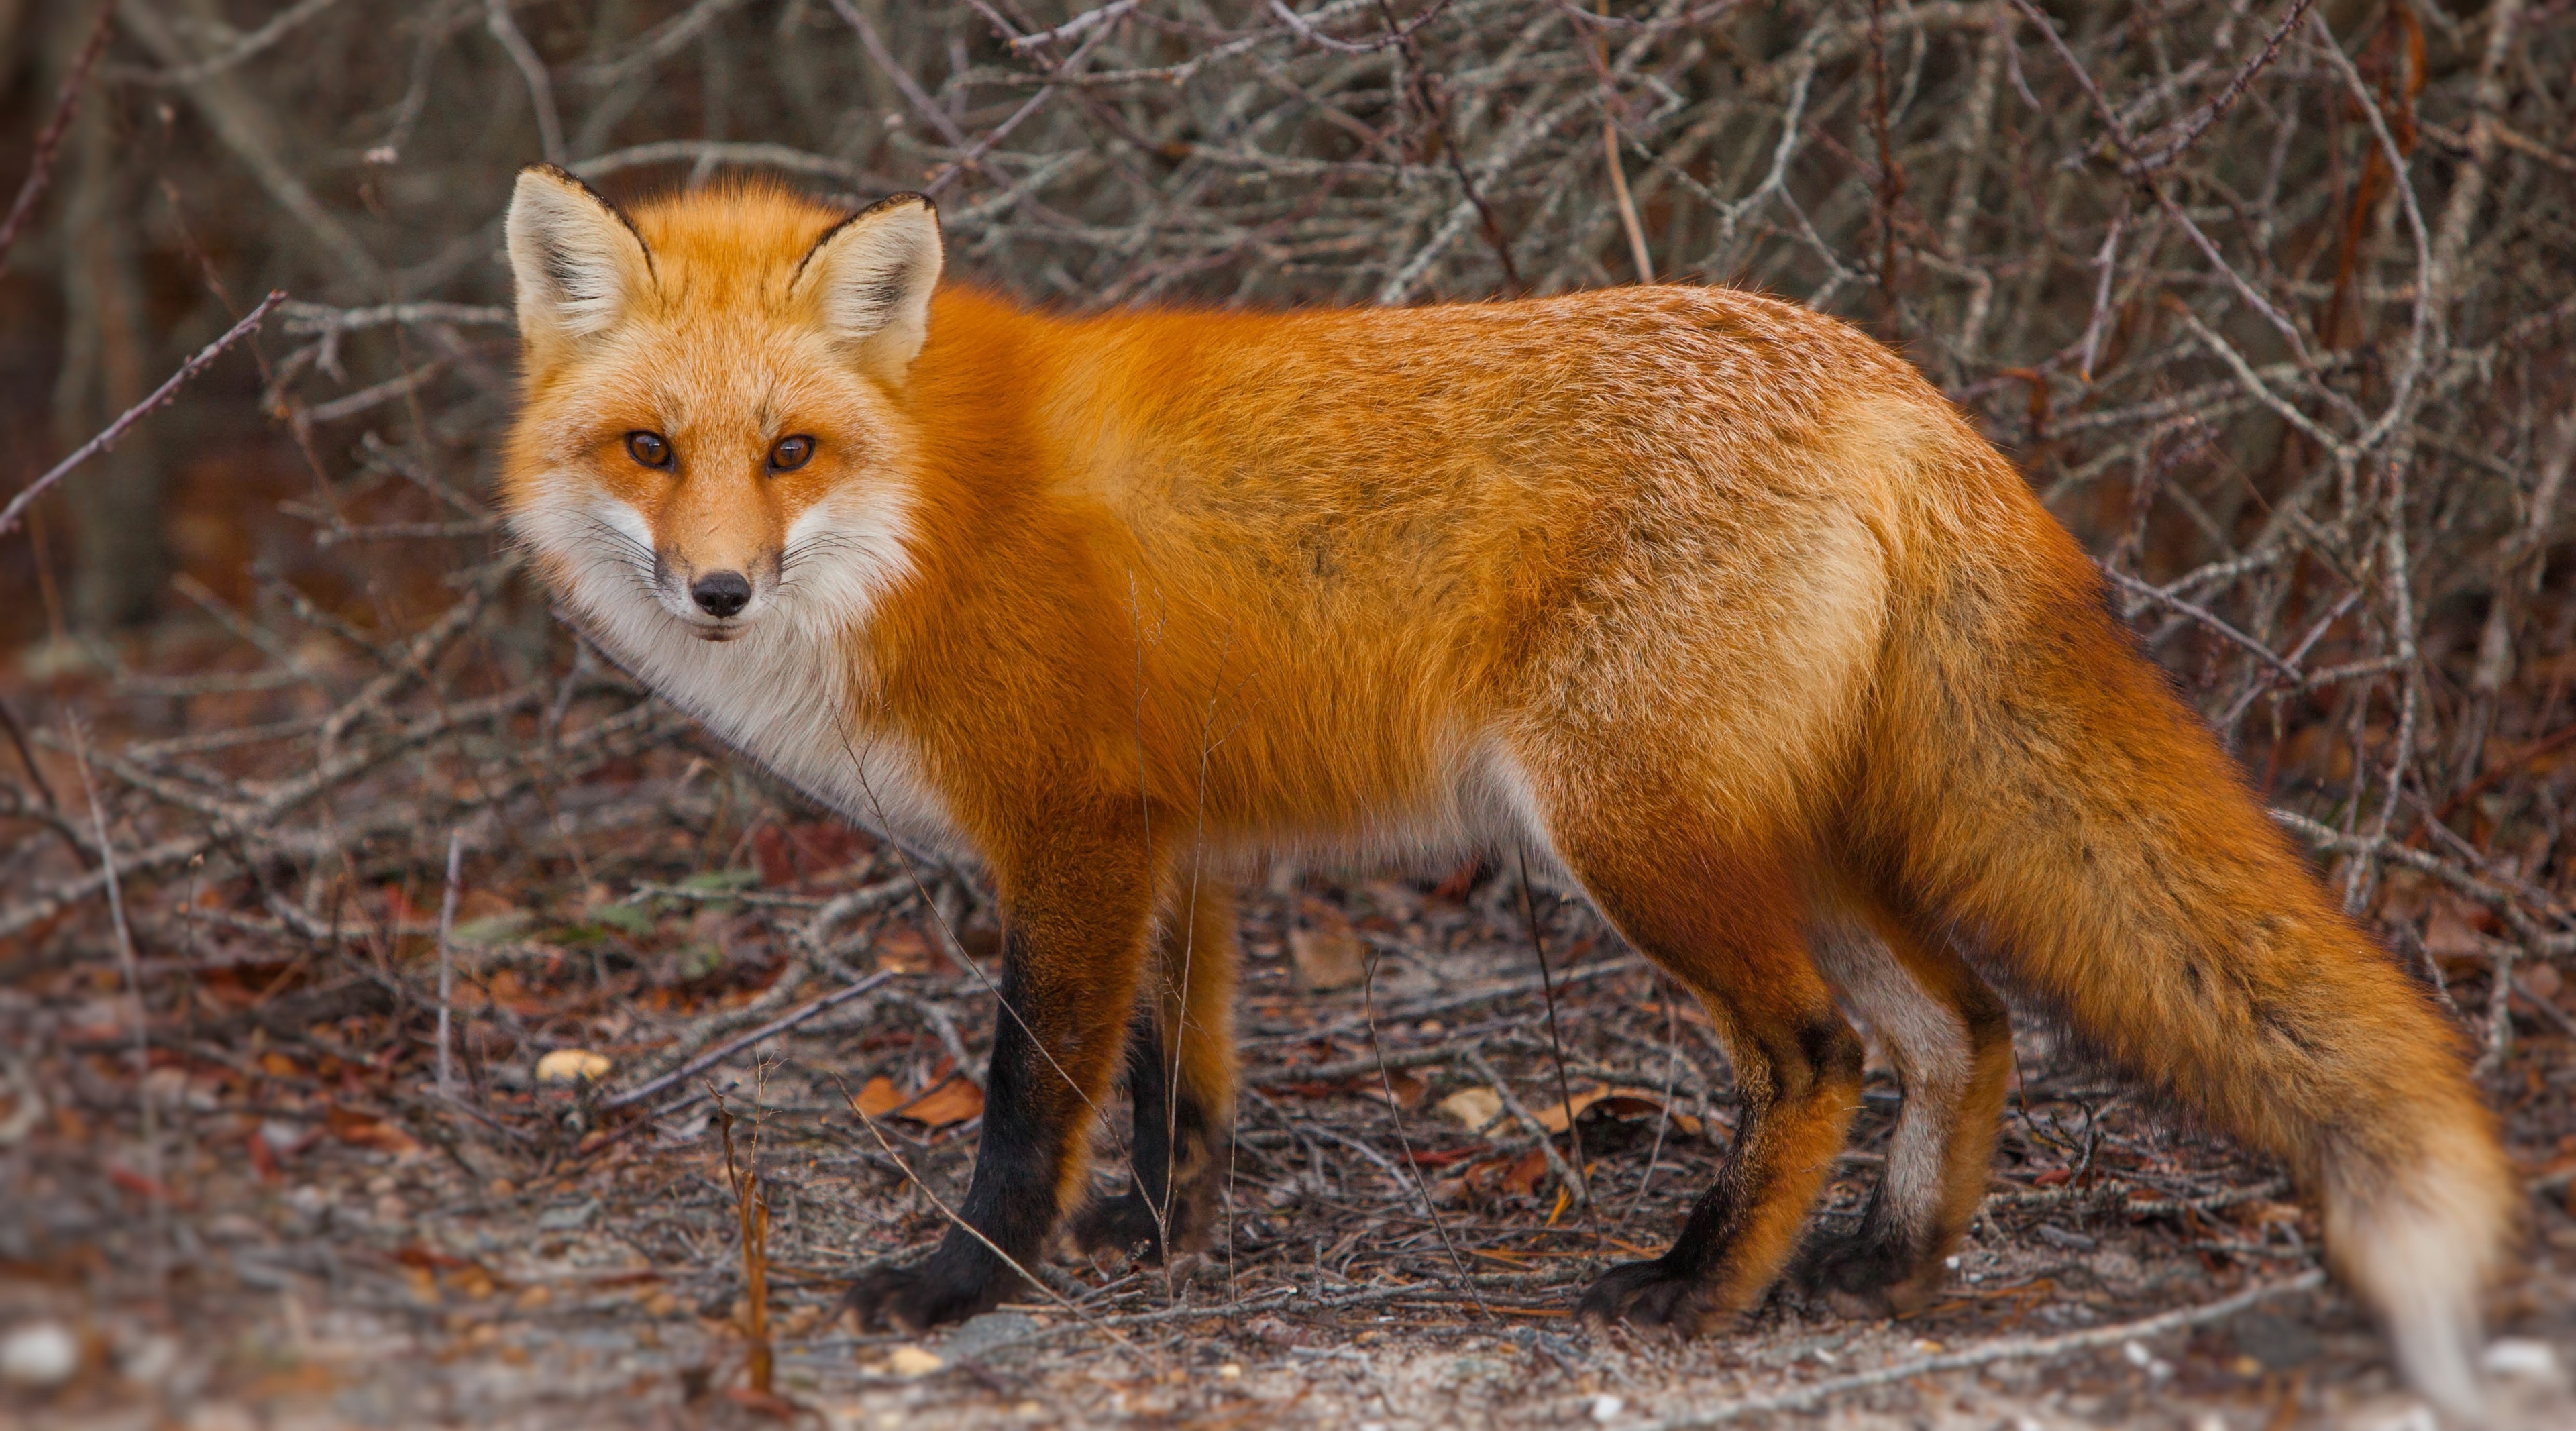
(1072, 953)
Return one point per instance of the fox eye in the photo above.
(649, 448)
(790, 453)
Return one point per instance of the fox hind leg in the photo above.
(1180, 1076)
(1951, 1040)
(1732, 928)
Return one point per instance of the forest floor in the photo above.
(342, 1259)
(307, 1233)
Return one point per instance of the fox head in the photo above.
(713, 435)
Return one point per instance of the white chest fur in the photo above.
(781, 692)
(784, 699)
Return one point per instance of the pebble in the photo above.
(2521, 1358)
(38, 1357)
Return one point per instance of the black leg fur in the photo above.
(1172, 1136)
(1010, 1199)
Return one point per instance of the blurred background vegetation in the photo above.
(2270, 301)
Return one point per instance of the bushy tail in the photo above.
(2033, 780)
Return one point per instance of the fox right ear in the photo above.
(576, 259)
(870, 278)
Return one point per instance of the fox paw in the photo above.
(1866, 1274)
(1655, 1298)
(1111, 1229)
(926, 1295)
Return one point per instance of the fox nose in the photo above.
(721, 593)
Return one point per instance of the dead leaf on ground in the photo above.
(1472, 1108)
(1522, 1179)
(572, 1065)
(913, 1361)
(366, 1130)
(1325, 949)
(904, 950)
(1621, 1103)
(1407, 1088)
(878, 1097)
(952, 1102)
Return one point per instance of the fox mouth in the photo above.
(717, 633)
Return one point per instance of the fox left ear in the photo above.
(870, 278)
(576, 258)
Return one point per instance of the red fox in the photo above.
(1708, 604)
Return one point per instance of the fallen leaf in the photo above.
(1408, 1089)
(878, 1097)
(494, 929)
(1557, 1116)
(572, 1065)
(952, 1102)
(2264, 1213)
(913, 1361)
(1471, 1108)
(1325, 950)
(414, 1254)
(2542, 980)
(366, 1130)
(1632, 1103)
(902, 949)
(1522, 1179)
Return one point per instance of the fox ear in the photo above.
(576, 259)
(870, 278)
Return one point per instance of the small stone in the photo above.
(39, 1357)
(913, 1361)
(1229, 1371)
(2521, 1359)
(1606, 1409)
(985, 1333)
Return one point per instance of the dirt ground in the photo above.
(307, 1243)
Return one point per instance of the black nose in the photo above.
(721, 593)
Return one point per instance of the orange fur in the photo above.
(1702, 599)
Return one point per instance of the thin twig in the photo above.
(1818, 1393)
(447, 959)
(131, 968)
(40, 168)
(18, 505)
(732, 1046)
